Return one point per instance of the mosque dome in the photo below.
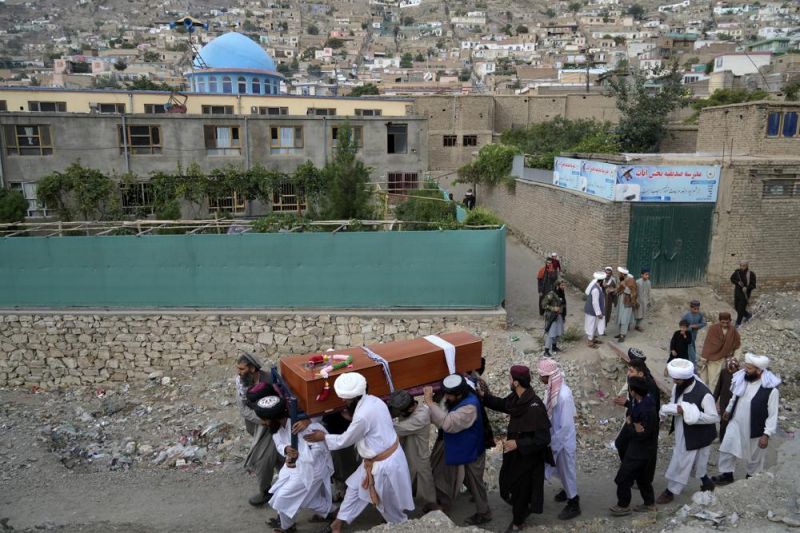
(236, 52)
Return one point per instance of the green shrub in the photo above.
(13, 206)
(426, 205)
(480, 216)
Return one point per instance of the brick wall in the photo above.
(589, 233)
(679, 139)
(764, 231)
(741, 129)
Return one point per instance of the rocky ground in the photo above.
(166, 454)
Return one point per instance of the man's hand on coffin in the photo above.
(300, 426)
(483, 387)
(315, 436)
(427, 394)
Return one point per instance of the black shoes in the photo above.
(572, 509)
(723, 479)
(561, 496)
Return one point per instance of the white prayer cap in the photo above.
(350, 385)
(623, 270)
(554, 254)
(608, 268)
(680, 369)
(759, 361)
(599, 275)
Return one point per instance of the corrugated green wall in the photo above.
(432, 269)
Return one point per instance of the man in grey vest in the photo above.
(753, 418)
(694, 419)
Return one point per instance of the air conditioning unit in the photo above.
(253, 110)
(94, 107)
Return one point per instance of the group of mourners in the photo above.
(378, 452)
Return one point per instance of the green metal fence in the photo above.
(420, 269)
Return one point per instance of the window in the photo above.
(321, 111)
(28, 140)
(110, 108)
(227, 87)
(781, 188)
(789, 124)
(140, 139)
(137, 198)
(401, 182)
(233, 204)
(286, 139)
(212, 84)
(218, 110)
(782, 124)
(255, 86)
(469, 140)
(222, 140)
(287, 198)
(35, 209)
(397, 138)
(242, 85)
(368, 112)
(357, 133)
(201, 85)
(60, 107)
(273, 110)
(450, 140)
(3, 105)
(152, 109)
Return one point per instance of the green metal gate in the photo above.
(672, 240)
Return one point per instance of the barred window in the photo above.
(469, 140)
(402, 182)
(60, 107)
(137, 198)
(28, 140)
(288, 197)
(286, 139)
(449, 140)
(140, 139)
(781, 188)
(233, 204)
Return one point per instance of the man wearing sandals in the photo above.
(305, 480)
(382, 478)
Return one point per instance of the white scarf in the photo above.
(739, 384)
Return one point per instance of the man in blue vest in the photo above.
(694, 422)
(464, 449)
(753, 418)
(527, 446)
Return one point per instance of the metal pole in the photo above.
(125, 146)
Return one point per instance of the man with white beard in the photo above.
(694, 419)
(753, 418)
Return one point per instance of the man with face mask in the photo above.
(694, 419)
(305, 481)
(263, 458)
(752, 416)
(382, 478)
(413, 426)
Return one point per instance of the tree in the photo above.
(81, 191)
(120, 65)
(644, 109)
(550, 13)
(419, 58)
(285, 69)
(636, 11)
(314, 70)
(507, 29)
(151, 56)
(575, 6)
(408, 21)
(312, 29)
(13, 206)
(426, 205)
(619, 40)
(522, 29)
(334, 43)
(543, 141)
(406, 61)
(491, 167)
(143, 83)
(792, 90)
(348, 181)
(364, 90)
(465, 74)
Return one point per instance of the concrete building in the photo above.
(740, 64)
(756, 215)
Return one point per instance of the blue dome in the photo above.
(234, 51)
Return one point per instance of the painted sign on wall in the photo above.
(638, 183)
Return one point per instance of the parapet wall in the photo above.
(81, 348)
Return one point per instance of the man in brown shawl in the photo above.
(527, 447)
(721, 343)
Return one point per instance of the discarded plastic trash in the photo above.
(514, 338)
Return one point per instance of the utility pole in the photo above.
(589, 58)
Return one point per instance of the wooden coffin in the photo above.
(412, 363)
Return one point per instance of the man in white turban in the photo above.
(594, 310)
(694, 419)
(628, 300)
(382, 478)
(752, 415)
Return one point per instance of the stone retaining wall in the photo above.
(63, 349)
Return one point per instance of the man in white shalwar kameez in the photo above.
(694, 422)
(305, 480)
(752, 415)
(382, 478)
(594, 310)
(560, 407)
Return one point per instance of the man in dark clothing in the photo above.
(744, 281)
(637, 368)
(680, 343)
(722, 392)
(639, 463)
(546, 280)
(527, 447)
(263, 458)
